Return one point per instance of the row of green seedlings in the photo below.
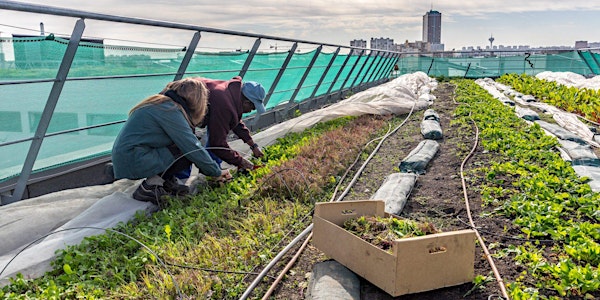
(555, 211)
(211, 242)
(582, 101)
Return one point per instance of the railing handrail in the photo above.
(58, 11)
(75, 38)
(374, 62)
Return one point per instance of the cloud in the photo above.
(332, 21)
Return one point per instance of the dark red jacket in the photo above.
(225, 114)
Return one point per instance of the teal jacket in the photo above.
(140, 150)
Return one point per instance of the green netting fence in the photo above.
(105, 81)
(470, 65)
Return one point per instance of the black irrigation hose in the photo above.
(213, 270)
(162, 262)
(177, 289)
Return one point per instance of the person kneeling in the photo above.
(158, 141)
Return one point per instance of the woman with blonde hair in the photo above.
(158, 141)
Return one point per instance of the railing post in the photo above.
(587, 63)
(388, 66)
(430, 65)
(42, 128)
(312, 62)
(351, 70)
(467, 71)
(188, 56)
(371, 54)
(280, 73)
(337, 76)
(375, 56)
(337, 51)
(250, 58)
(595, 61)
(389, 62)
(376, 69)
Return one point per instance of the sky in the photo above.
(537, 23)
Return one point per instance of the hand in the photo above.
(256, 152)
(246, 164)
(225, 176)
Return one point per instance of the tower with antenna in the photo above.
(491, 39)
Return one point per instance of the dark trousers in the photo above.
(181, 163)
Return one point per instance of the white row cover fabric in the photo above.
(395, 190)
(430, 125)
(565, 119)
(571, 79)
(104, 206)
(418, 159)
(398, 96)
(526, 113)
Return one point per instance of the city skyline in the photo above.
(464, 24)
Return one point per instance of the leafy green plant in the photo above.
(585, 102)
(208, 242)
(529, 183)
(479, 283)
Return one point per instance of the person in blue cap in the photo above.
(228, 100)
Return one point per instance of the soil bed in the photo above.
(437, 198)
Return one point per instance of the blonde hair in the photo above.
(193, 91)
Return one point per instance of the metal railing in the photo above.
(359, 70)
(376, 73)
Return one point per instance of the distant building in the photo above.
(435, 47)
(416, 46)
(357, 43)
(432, 27)
(581, 44)
(382, 43)
(432, 30)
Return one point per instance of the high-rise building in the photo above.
(432, 27)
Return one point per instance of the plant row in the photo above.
(555, 211)
(210, 244)
(584, 102)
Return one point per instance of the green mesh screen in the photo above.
(493, 66)
(105, 81)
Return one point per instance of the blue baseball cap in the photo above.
(255, 92)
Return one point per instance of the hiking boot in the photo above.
(149, 193)
(173, 187)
